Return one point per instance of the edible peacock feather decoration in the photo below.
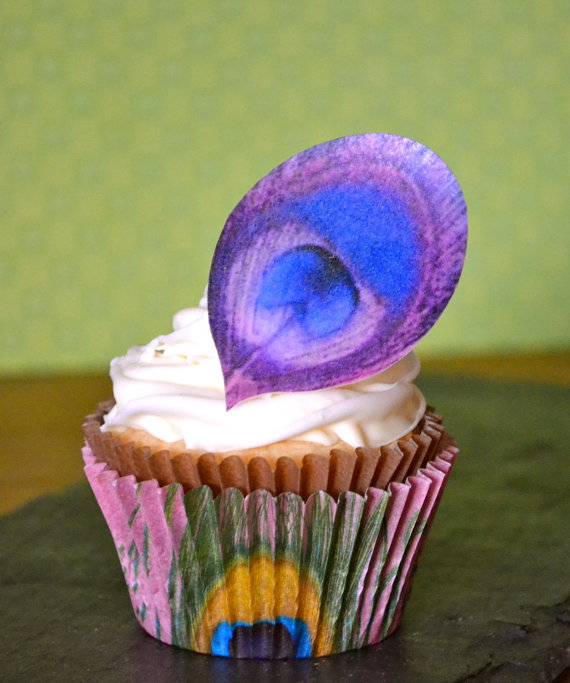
(334, 265)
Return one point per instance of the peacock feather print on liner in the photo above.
(268, 576)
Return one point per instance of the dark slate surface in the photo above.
(490, 601)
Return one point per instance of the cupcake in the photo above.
(268, 470)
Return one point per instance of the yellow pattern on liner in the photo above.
(258, 590)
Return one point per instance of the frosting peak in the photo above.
(174, 389)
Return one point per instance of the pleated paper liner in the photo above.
(268, 576)
(335, 472)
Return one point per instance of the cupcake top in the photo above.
(326, 275)
(173, 388)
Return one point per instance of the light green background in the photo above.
(130, 129)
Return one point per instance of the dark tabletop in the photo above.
(490, 600)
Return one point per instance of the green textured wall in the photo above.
(130, 129)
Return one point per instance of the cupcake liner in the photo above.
(269, 576)
(335, 472)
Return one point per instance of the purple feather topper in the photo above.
(333, 266)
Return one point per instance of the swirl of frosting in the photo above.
(173, 388)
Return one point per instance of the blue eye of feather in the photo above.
(371, 229)
(315, 286)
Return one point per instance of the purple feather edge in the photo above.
(259, 350)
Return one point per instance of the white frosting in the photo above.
(174, 389)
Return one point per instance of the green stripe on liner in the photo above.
(232, 527)
(169, 502)
(414, 528)
(347, 521)
(178, 612)
(205, 561)
(289, 531)
(145, 549)
(382, 550)
(350, 625)
(410, 528)
(317, 535)
(260, 524)
(134, 514)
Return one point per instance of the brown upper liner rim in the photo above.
(340, 470)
